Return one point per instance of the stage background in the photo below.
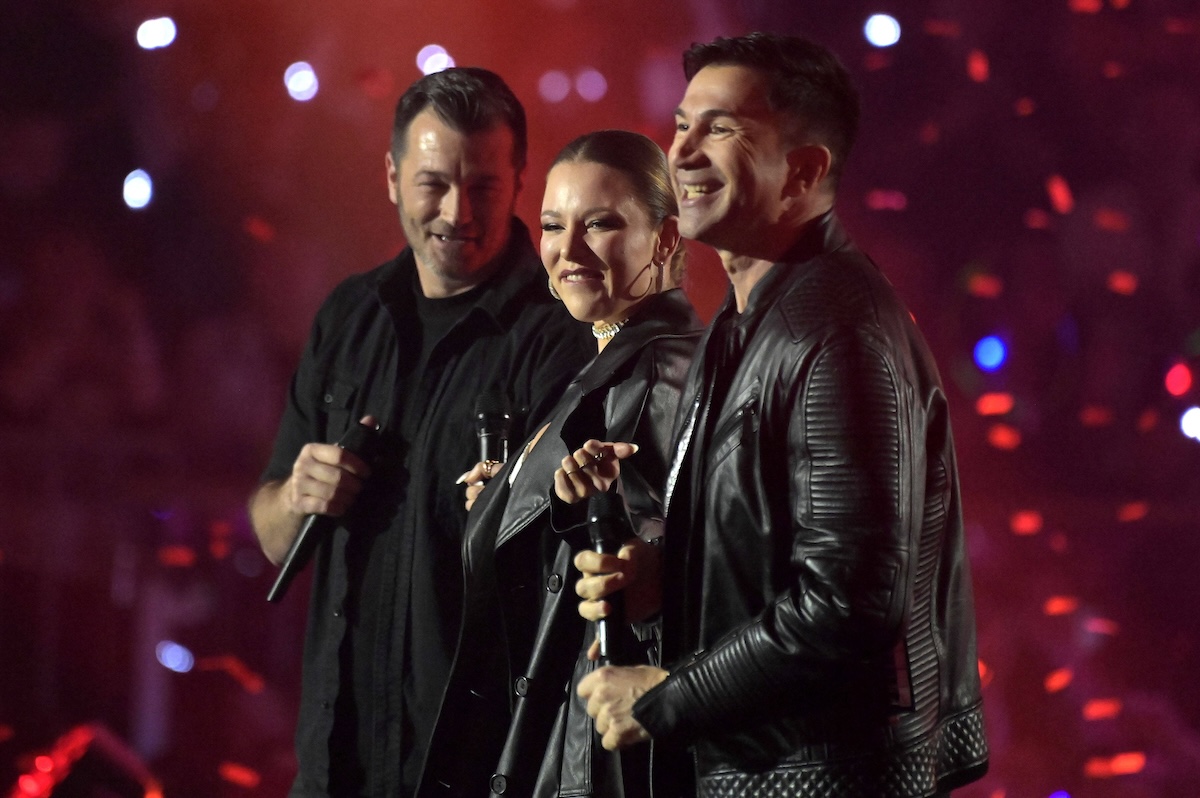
(1027, 169)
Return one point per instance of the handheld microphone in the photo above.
(608, 528)
(492, 423)
(360, 440)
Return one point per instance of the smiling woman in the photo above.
(609, 227)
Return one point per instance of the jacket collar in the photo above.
(823, 236)
(668, 313)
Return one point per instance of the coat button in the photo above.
(499, 784)
(328, 398)
(554, 583)
(521, 686)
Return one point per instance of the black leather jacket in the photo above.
(818, 619)
(509, 712)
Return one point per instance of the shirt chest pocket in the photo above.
(337, 401)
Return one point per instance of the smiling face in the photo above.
(599, 244)
(728, 159)
(455, 194)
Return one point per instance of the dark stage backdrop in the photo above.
(1028, 170)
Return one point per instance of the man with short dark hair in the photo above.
(410, 346)
(817, 618)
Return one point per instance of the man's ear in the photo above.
(808, 166)
(393, 178)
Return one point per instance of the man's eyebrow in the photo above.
(708, 113)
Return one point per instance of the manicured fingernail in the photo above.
(461, 479)
(635, 447)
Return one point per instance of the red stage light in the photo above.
(240, 775)
(177, 556)
(1025, 522)
(1025, 107)
(1095, 416)
(1101, 709)
(1037, 219)
(994, 404)
(1087, 6)
(1059, 680)
(1133, 511)
(1100, 767)
(1002, 436)
(943, 27)
(978, 67)
(1178, 380)
(1059, 191)
(882, 199)
(1111, 220)
(1122, 282)
(1102, 626)
(1060, 605)
(984, 285)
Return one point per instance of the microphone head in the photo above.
(492, 412)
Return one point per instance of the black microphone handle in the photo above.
(606, 528)
(360, 440)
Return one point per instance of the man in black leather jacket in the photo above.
(818, 622)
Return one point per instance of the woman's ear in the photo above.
(668, 239)
(808, 166)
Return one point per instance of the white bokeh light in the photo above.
(139, 189)
(155, 33)
(1190, 423)
(554, 86)
(882, 30)
(591, 85)
(433, 58)
(175, 657)
(301, 81)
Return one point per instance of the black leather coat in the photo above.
(510, 722)
(818, 620)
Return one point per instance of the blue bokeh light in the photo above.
(882, 30)
(990, 353)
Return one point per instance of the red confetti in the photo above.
(1148, 420)
(1111, 220)
(1178, 380)
(177, 556)
(1112, 70)
(1037, 219)
(1102, 709)
(1060, 195)
(240, 775)
(994, 404)
(1099, 767)
(1025, 107)
(977, 66)
(1102, 626)
(943, 27)
(1002, 436)
(1060, 605)
(1059, 680)
(1123, 282)
(986, 286)
(259, 229)
(1133, 511)
(881, 199)
(1096, 416)
(1025, 522)
(1087, 6)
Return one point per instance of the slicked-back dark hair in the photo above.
(805, 81)
(643, 163)
(469, 100)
